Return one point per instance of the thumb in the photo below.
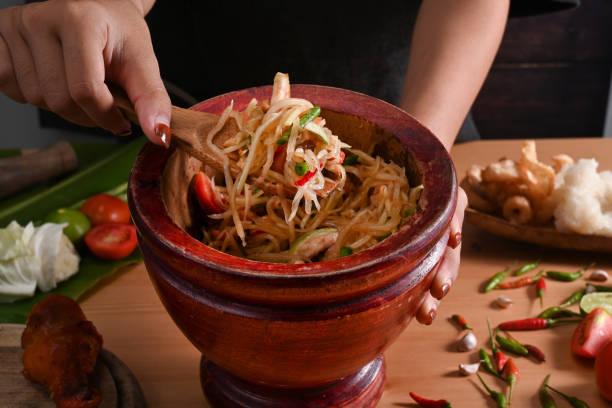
(139, 76)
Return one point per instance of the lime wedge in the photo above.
(595, 300)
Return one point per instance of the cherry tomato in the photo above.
(206, 196)
(78, 223)
(105, 208)
(592, 333)
(111, 241)
(603, 371)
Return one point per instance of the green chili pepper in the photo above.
(573, 401)
(557, 311)
(601, 288)
(345, 251)
(350, 160)
(512, 346)
(301, 168)
(526, 268)
(493, 345)
(497, 279)
(498, 397)
(574, 298)
(546, 400)
(567, 276)
(486, 362)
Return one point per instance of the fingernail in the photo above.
(454, 240)
(432, 314)
(445, 289)
(163, 132)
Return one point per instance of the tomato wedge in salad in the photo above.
(205, 194)
(593, 332)
(111, 241)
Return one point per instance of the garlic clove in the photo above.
(469, 369)
(467, 342)
(599, 275)
(504, 302)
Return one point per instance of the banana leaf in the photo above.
(111, 169)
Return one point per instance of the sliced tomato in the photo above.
(592, 333)
(280, 156)
(111, 241)
(603, 371)
(104, 208)
(205, 194)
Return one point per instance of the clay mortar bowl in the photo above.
(311, 335)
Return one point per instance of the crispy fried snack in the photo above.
(60, 351)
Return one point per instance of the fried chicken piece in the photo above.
(60, 351)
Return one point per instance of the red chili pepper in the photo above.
(460, 320)
(534, 323)
(535, 352)
(519, 283)
(306, 177)
(500, 360)
(540, 288)
(429, 403)
(511, 372)
(342, 156)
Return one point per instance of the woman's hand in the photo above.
(58, 54)
(449, 266)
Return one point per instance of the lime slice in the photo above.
(595, 300)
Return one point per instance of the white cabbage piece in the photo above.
(31, 257)
(19, 267)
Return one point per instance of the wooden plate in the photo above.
(118, 386)
(544, 236)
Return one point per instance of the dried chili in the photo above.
(497, 279)
(429, 403)
(526, 268)
(535, 352)
(546, 400)
(534, 323)
(498, 397)
(540, 288)
(511, 373)
(461, 321)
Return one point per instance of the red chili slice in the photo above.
(306, 177)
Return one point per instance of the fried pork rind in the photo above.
(517, 209)
(503, 171)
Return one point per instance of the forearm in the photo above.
(453, 46)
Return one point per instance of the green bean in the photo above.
(512, 346)
(310, 115)
(526, 268)
(498, 278)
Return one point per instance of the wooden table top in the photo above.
(137, 329)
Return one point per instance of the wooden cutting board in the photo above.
(115, 381)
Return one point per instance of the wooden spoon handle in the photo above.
(19, 172)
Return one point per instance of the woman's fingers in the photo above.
(8, 82)
(428, 310)
(49, 63)
(85, 74)
(139, 76)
